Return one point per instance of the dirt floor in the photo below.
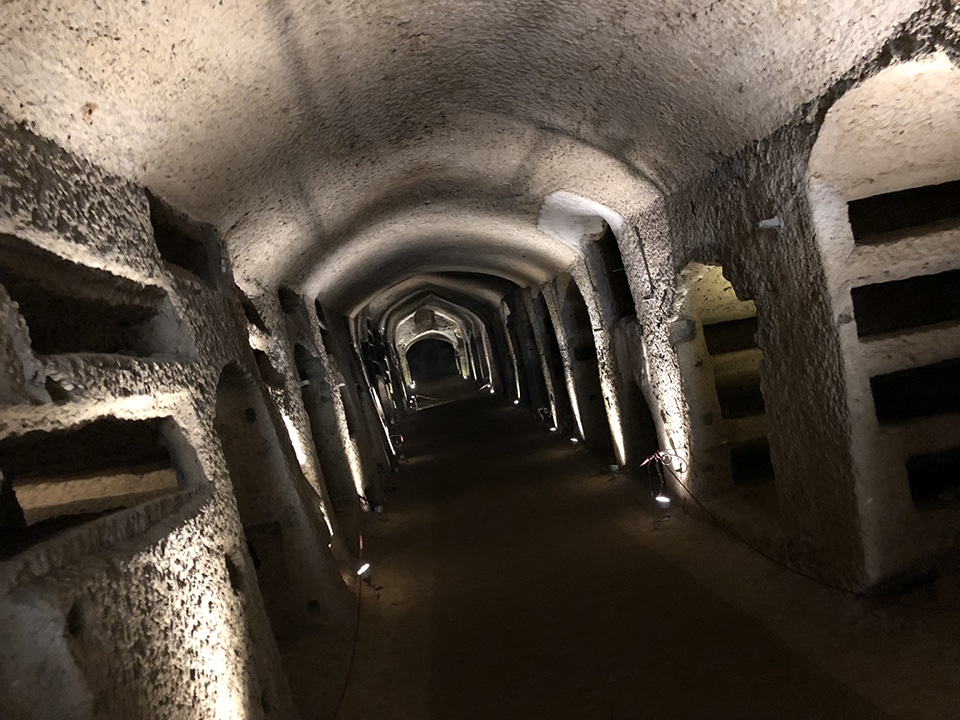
(520, 580)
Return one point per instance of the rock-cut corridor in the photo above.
(520, 579)
(302, 299)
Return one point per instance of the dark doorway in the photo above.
(586, 370)
(432, 359)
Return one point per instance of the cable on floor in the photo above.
(356, 638)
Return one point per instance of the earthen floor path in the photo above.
(520, 581)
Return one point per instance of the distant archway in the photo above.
(432, 358)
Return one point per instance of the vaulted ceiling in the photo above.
(345, 147)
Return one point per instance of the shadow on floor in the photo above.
(517, 584)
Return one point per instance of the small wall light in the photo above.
(575, 440)
(364, 574)
(516, 402)
(663, 502)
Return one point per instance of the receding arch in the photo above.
(317, 396)
(554, 374)
(716, 341)
(432, 357)
(585, 368)
(286, 542)
(435, 241)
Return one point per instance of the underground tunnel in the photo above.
(454, 360)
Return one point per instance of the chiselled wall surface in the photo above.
(717, 220)
(151, 611)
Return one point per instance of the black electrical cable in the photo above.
(353, 653)
(653, 512)
(356, 634)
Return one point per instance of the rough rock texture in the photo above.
(875, 140)
(801, 376)
(717, 220)
(301, 129)
(469, 158)
(154, 611)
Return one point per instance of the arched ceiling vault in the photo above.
(468, 289)
(434, 335)
(463, 315)
(899, 129)
(314, 134)
(478, 306)
(435, 240)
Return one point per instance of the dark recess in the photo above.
(321, 315)
(917, 392)
(234, 574)
(903, 304)
(751, 462)
(621, 295)
(271, 376)
(872, 217)
(309, 367)
(555, 363)
(432, 359)
(935, 478)
(71, 308)
(740, 395)
(185, 243)
(731, 335)
(61, 324)
(585, 353)
(107, 445)
(75, 620)
(289, 300)
(251, 313)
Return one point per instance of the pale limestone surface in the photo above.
(289, 123)
(138, 609)
(372, 154)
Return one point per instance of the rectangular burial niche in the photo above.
(186, 245)
(740, 395)
(71, 308)
(900, 305)
(917, 392)
(731, 335)
(873, 217)
(935, 479)
(57, 479)
(750, 462)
